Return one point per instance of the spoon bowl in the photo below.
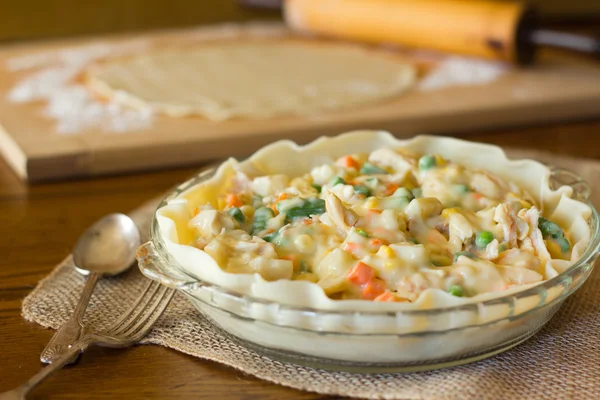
(108, 247)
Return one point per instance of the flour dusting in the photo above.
(462, 71)
(67, 101)
(54, 81)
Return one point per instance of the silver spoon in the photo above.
(106, 248)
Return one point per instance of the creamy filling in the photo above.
(383, 226)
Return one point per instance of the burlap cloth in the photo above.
(561, 362)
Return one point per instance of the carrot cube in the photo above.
(233, 200)
(373, 289)
(376, 243)
(351, 247)
(282, 196)
(386, 297)
(350, 162)
(361, 274)
(390, 189)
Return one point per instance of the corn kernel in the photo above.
(247, 210)
(389, 266)
(221, 204)
(386, 251)
(439, 161)
(303, 243)
(372, 203)
(553, 249)
(448, 211)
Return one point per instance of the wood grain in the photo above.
(559, 88)
(29, 19)
(38, 226)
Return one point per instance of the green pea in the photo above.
(270, 236)
(549, 228)
(318, 188)
(261, 216)
(456, 290)
(361, 189)
(362, 232)
(315, 202)
(427, 162)
(564, 244)
(312, 206)
(482, 239)
(472, 256)
(237, 214)
(370, 169)
(338, 180)
(258, 227)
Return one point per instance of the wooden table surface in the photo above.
(38, 226)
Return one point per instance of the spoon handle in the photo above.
(71, 330)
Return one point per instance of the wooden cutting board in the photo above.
(560, 87)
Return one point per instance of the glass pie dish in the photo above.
(375, 341)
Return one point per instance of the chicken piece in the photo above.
(345, 193)
(491, 251)
(210, 223)
(238, 252)
(527, 245)
(343, 218)
(459, 229)
(240, 182)
(270, 184)
(406, 289)
(487, 186)
(513, 227)
(384, 226)
(520, 275)
(322, 174)
(272, 269)
(531, 216)
(480, 276)
(300, 187)
(424, 208)
(432, 239)
(389, 158)
(519, 258)
(434, 186)
(332, 271)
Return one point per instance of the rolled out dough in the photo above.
(252, 79)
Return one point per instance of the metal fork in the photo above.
(129, 329)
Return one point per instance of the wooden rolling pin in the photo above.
(497, 30)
